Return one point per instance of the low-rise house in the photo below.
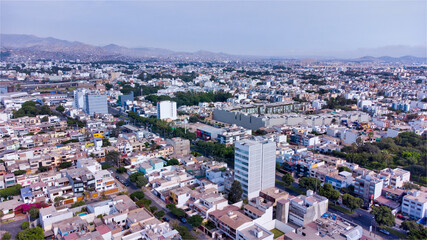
(50, 215)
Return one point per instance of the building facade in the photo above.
(166, 110)
(255, 164)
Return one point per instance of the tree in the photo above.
(141, 181)
(36, 233)
(137, 195)
(65, 165)
(160, 214)
(185, 234)
(352, 202)
(143, 203)
(25, 225)
(329, 192)
(288, 179)
(120, 123)
(60, 109)
(45, 119)
(6, 236)
(418, 234)
(113, 156)
(57, 200)
(409, 186)
(134, 176)
(172, 162)
(236, 192)
(43, 169)
(408, 225)
(121, 170)
(178, 212)
(309, 183)
(383, 216)
(195, 220)
(34, 213)
(105, 142)
(343, 168)
(19, 172)
(170, 206)
(153, 209)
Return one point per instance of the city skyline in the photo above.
(282, 28)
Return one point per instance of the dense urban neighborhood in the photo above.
(212, 148)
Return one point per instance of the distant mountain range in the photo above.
(52, 48)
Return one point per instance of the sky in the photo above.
(265, 28)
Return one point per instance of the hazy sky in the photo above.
(239, 27)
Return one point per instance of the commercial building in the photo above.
(124, 98)
(255, 164)
(96, 104)
(166, 110)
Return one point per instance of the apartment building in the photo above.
(254, 162)
(415, 204)
(302, 210)
(368, 187)
(395, 177)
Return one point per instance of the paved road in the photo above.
(12, 227)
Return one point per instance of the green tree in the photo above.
(113, 156)
(25, 225)
(153, 209)
(236, 191)
(160, 214)
(121, 170)
(352, 202)
(173, 161)
(141, 181)
(342, 168)
(120, 123)
(43, 169)
(178, 212)
(45, 119)
(408, 225)
(309, 183)
(143, 203)
(14, 190)
(60, 108)
(185, 234)
(418, 234)
(288, 179)
(383, 216)
(19, 172)
(105, 142)
(65, 165)
(36, 233)
(34, 213)
(195, 220)
(6, 236)
(137, 195)
(329, 192)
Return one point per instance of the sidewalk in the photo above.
(154, 198)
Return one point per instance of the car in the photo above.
(117, 177)
(384, 231)
(126, 184)
(183, 220)
(166, 219)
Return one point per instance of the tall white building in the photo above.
(166, 110)
(254, 166)
(79, 101)
(415, 204)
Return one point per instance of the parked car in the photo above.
(166, 219)
(384, 231)
(183, 220)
